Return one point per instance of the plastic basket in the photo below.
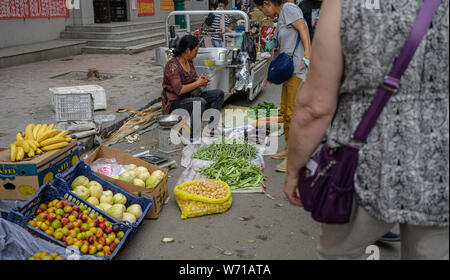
(22, 215)
(74, 107)
(64, 181)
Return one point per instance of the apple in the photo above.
(72, 218)
(65, 231)
(59, 217)
(49, 231)
(63, 239)
(56, 224)
(101, 219)
(69, 240)
(43, 206)
(92, 250)
(76, 208)
(86, 212)
(113, 246)
(101, 240)
(44, 216)
(32, 223)
(96, 222)
(120, 234)
(77, 245)
(99, 247)
(72, 233)
(85, 242)
(44, 227)
(102, 226)
(106, 248)
(85, 218)
(91, 239)
(108, 241)
(38, 211)
(66, 215)
(84, 227)
(117, 241)
(79, 221)
(80, 236)
(101, 254)
(59, 212)
(59, 205)
(64, 221)
(99, 232)
(77, 230)
(93, 230)
(84, 249)
(92, 216)
(107, 254)
(88, 233)
(107, 224)
(58, 235)
(116, 228)
(51, 210)
(51, 217)
(112, 236)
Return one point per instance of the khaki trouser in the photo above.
(288, 94)
(350, 241)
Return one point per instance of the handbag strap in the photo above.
(392, 80)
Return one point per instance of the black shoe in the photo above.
(390, 237)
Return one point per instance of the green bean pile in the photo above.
(213, 152)
(238, 173)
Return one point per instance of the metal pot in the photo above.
(168, 120)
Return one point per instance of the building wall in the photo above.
(26, 31)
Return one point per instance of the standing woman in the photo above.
(216, 39)
(293, 39)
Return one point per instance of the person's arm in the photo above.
(316, 103)
(174, 78)
(302, 28)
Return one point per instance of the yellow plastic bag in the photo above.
(193, 205)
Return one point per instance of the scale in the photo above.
(158, 159)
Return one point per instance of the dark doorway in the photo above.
(106, 11)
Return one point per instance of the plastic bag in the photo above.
(18, 244)
(108, 167)
(243, 79)
(248, 46)
(192, 205)
(269, 45)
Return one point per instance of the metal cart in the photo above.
(217, 63)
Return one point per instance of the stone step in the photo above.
(124, 50)
(126, 42)
(47, 50)
(111, 35)
(114, 27)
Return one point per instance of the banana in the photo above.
(41, 131)
(32, 144)
(47, 135)
(13, 149)
(36, 130)
(51, 126)
(55, 146)
(20, 154)
(19, 136)
(63, 133)
(36, 143)
(69, 139)
(29, 132)
(52, 141)
(24, 144)
(38, 151)
(31, 154)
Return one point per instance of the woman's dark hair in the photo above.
(261, 2)
(186, 42)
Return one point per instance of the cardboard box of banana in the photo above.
(38, 139)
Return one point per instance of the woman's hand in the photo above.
(291, 191)
(203, 81)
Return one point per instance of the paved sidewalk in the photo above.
(25, 96)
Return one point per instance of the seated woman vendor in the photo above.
(182, 85)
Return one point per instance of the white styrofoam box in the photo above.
(98, 94)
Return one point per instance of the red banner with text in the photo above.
(167, 5)
(146, 8)
(24, 9)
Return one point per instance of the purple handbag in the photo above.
(326, 183)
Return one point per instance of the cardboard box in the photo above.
(159, 194)
(20, 180)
